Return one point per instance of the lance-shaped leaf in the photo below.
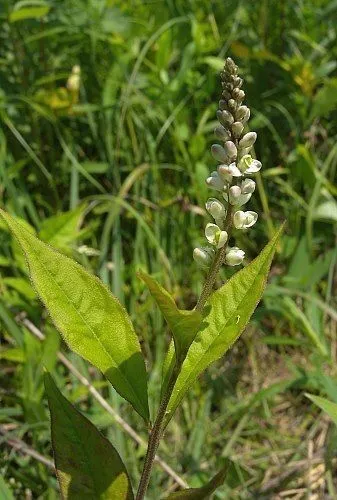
(183, 324)
(92, 321)
(226, 314)
(203, 492)
(87, 465)
(326, 405)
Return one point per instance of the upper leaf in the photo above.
(226, 314)
(203, 492)
(92, 321)
(87, 464)
(183, 324)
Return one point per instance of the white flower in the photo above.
(249, 166)
(227, 172)
(203, 256)
(248, 140)
(235, 196)
(215, 236)
(243, 220)
(215, 208)
(215, 181)
(234, 256)
(248, 186)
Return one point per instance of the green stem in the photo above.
(216, 264)
(155, 436)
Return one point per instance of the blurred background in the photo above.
(107, 110)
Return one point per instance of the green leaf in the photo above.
(203, 492)
(28, 13)
(324, 404)
(5, 492)
(226, 314)
(92, 321)
(183, 324)
(61, 230)
(87, 464)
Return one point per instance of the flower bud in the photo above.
(232, 105)
(226, 94)
(234, 194)
(238, 81)
(248, 140)
(248, 186)
(203, 256)
(234, 256)
(237, 128)
(215, 208)
(242, 114)
(243, 220)
(224, 117)
(227, 172)
(215, 181)
(231, 149)
(215, 236)
(218, 153)
(221, 133)
(222, 104)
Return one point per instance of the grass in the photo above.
(125, 161)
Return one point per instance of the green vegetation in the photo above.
(113, 176)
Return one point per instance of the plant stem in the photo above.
(155, 436)
(216, 264)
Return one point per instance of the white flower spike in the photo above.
(243, 220)
(215, 236)
(231, 178)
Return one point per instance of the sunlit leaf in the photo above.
(183, 324)
(5, 492)
(62, 229)
(28, 13)
(226, 314)
(87, 465)
(92, 321)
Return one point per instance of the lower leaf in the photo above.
(203, 492)
(87, 465)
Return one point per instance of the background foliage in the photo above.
(114, 177)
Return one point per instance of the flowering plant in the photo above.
(96, 326)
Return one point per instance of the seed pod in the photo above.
(237, 128)
(218, 152)
(247, 140)
(238, 81)
(221, 133)
(224, 117)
